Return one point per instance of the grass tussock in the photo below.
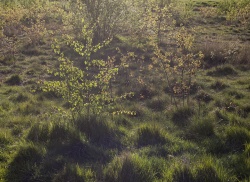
(129, 168)
(14, 80)
(182, 115)
(236, 138)
(218, 85)
(151, 135)
(25, 165)
(223, 70)
(201, 128)
(99, 131)
(72, 172)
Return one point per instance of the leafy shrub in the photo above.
(74, 173)
(150, 135)
(129, 168)
(14, 80)
(181, 116)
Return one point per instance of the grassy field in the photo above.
(154, 135)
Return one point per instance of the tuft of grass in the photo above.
(25, 165)
(218, 85)
(14, 80)
(244, 111)
(235, 94)
(74, 173)
(129, 168)
(20, 97)
(224, 70)
(53, 133)
(99, 131)
(150, 135)
(203, 96)
(29, 108)
(5, 139)
(181, 116)
(201, 127)
(179, 172)
(206, 170)
(236, 138)
(156, 104)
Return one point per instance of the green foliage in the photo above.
(236, 10)
(105, 17)
(178, 66)
(83, 90)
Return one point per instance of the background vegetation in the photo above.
(124, 90)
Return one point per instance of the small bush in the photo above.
(236, 138)
(129, 168)
(14, 80)
(150, 135)
(74, 173)
(181, 116)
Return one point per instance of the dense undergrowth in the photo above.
(140, 119)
